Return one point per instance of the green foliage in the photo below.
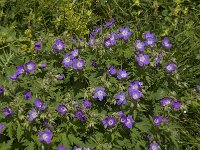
(24, 22)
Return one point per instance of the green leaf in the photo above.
(6, 146)
(161, 93)
(19, 132)
(30, 146)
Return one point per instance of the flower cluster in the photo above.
(169, 102)
(71, 60)
(29, 67)
(90, 93)
(126, 120)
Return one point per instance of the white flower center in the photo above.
(79, 64)
(166, 43)
(91, 41)
(156, 120)
(123, 75)
(139, 45)
(150, 42)
(135, 87)
(34, 115)
(142, 59)
(135, 96)
(67, 59)
(29, 67)
(128, 120)
(45, 136)
(121, 97)
(63, 109)
(21, 71)
(110, 122)
(40, 105)
(169, 67)
(100, 93)
(112, 38)
(124, 33)
(75, 54)
(107, 43)
(154, 147)
(59, 46)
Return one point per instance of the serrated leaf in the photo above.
(19, 132)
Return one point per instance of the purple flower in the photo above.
(176, 105)
(148, 35)
(62, 109)
(157, 120)
(129, 122)
(120, 113)
(96, 31)
(1, 89)
(61, 147)
(30, 66)
(150, 41)
(94, 64)
(122, 74)
(67, 61)
(109, 122)
(112, 70)
(111, 40)
(113, 37)
(165, 101)
(20, 69)
(149, 137)
(46, 136)
(134, 86)
(58, 45)
(59, 77)
(121, 98)
(139, 45)
(38, 46)
(40, 104)
(79, 114)
(123, 119)
(154, 146)
(110, 23)
(166, 43)
(99, 93)
(87, 104)
(78, 64)
(77, 148)
(124, 33)
(92, 41)
(42, 66)
(28, 95)
(165, 120)
(143, 59)
(198, 87)
(46, 124)
(157, 60)
(74, 53)
(14, 77)
(170, 67)
(2, 126)
(32, 114)
(135, 94)
(107, 43)
(7, 111)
